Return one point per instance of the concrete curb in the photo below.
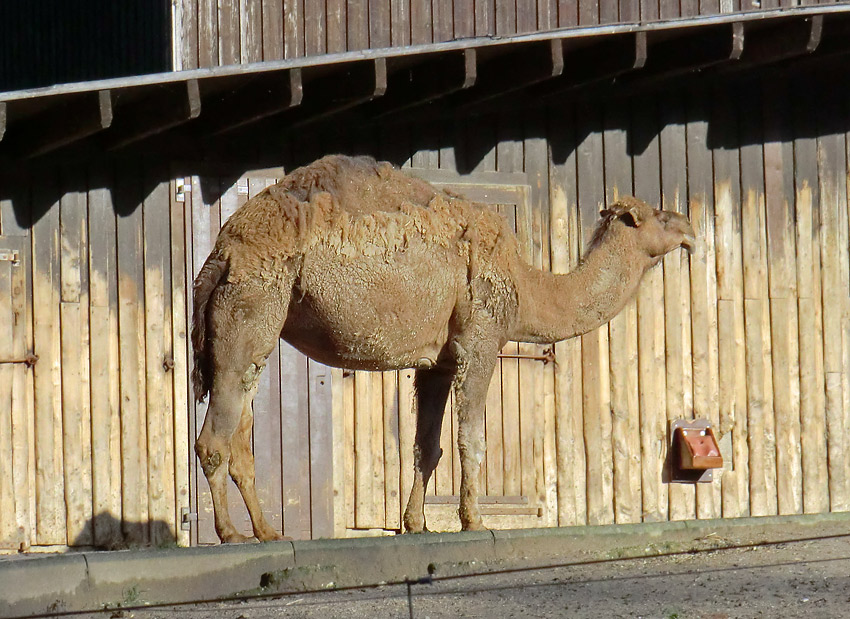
(111, 579)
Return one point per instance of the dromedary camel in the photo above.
(363, 267)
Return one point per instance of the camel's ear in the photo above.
(628, 212)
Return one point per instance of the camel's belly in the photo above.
(373, 314)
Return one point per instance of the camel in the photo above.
(363, 267)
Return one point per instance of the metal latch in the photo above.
(187, 517)
(10, 255)
(29, 360)
(182, 187)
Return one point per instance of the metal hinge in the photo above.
(187, 517)
(10, 255)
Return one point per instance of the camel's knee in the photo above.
(426, 457)
(242, 468)
(210, 455)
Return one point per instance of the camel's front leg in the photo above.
(473, 381)
(432, 392)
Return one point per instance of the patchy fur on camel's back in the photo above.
(355, 208)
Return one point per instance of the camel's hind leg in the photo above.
(432, 392)
(243, 329)
(242, 472)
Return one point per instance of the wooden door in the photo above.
(292, 410)
(15, 398)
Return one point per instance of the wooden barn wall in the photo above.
(751, 332)
(98, 426)
(209, 33)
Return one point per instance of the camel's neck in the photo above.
(558, 307)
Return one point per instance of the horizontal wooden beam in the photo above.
(78, 117)
(153, 114)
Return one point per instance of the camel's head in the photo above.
(657, 232)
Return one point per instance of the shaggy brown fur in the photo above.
(360, 266)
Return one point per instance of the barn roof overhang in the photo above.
(387, 85)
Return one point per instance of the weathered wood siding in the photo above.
(98, 426)
(210, 33)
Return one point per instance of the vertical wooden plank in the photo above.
(443, 20)
(669, 9)
(526, 16)
(537, 169)
(676, 288)
(127, 200)
(464, 18)
(571, 483)
(358, 24)
(485, 18)
(76, 419)
(757, 316)
(406, 431)
(321, 450)
(703, 286)
(293, 28)
(622, 339)
(649, 10)
(229, 51)
(295, 442)
(391, 450)
(400, 23)
(9, 534)
(832, 172)
(251, 30)
(609, 11)
(272, 16)
(315, 28)
(21, 399)
(420, 22)
(105, 416)
(782, 270)
(350, 419)
(342, 449)
(158, 356)
(180, 347)
(596, 391)
(812, 405)
(366, 503)
(505, 17)
(651, 328)
(208, 37)
(588, 12)
(376, 425)
(732, 393)
(188, 22)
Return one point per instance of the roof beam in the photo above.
(261, 98)
(517, 68)
(426, 80)
(335, 89)
(82, 116)
(166, 108)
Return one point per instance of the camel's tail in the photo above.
(213, 271)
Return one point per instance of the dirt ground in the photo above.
(716, 578)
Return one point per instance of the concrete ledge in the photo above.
(96, 580)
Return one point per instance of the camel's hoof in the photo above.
(272, 537)
(235, 538)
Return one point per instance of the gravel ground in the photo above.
(808, 578)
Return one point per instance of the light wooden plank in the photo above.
(295, 442)
(400, 15)
(182, 397)
(131, 317)
(732, 396)
(321, 450)
(406, 431)
(622, 334)
(493, 432)
(228, 32)
(315, 28)
(390, 442)
(159, 358)
(21, 402)
(682, 505)
(9, 534)
(105, 418)
(366, 503)
(350, 469)
(273, 29)
(651, 360)
(251, 30)
(703, 287)
(50, 479)
(208, 33)
(341, 449)
(293, 29)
